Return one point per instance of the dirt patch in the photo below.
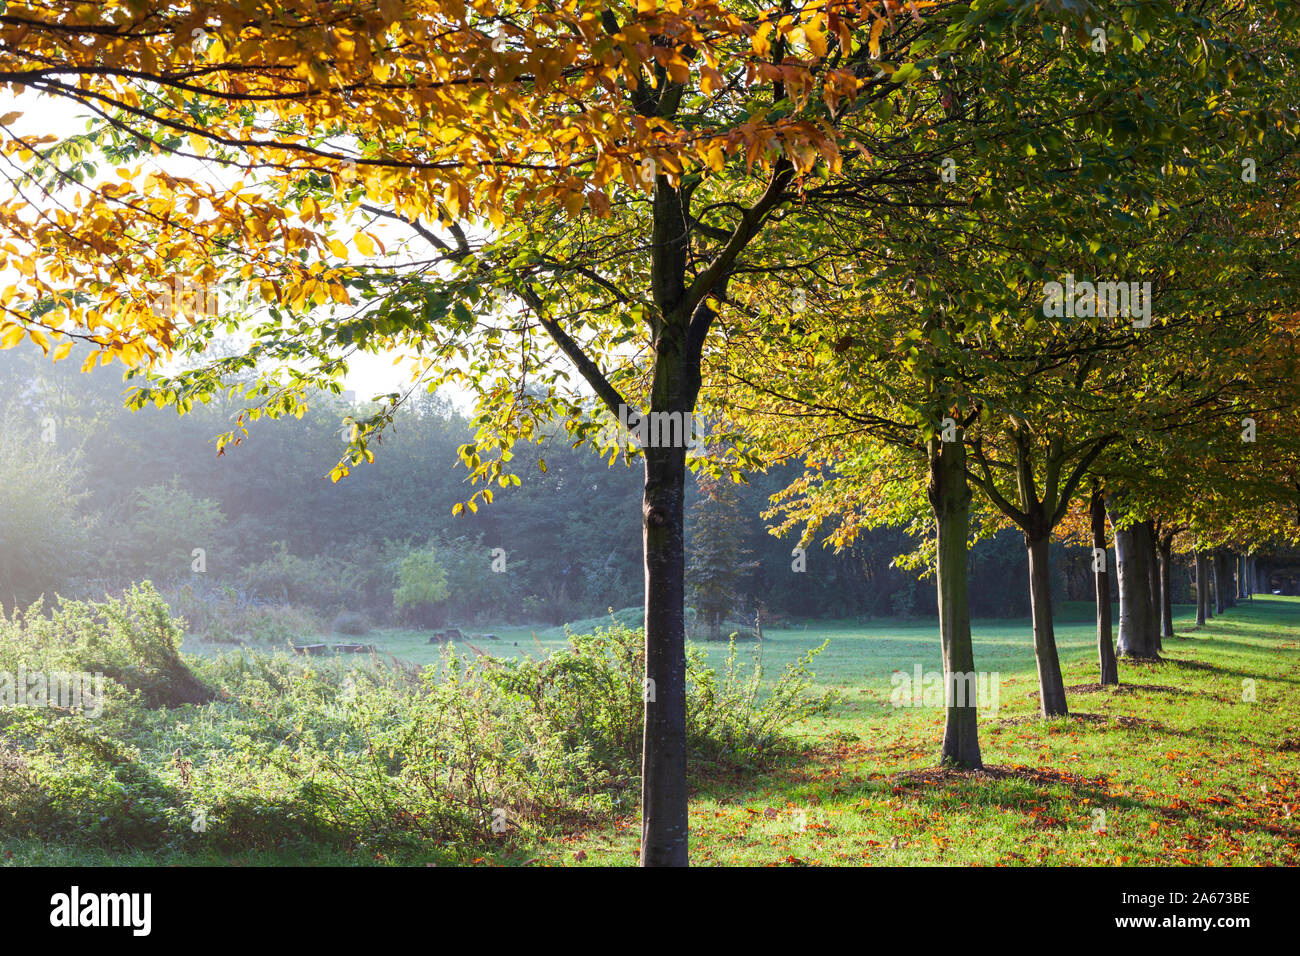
(1190, 665)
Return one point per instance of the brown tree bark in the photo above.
(1220, 582)
(1101, 572)
(663, 763)
(1051, 686)
(1165, 549)
(950, 498)
(1202, 592)
(1148, 540)
(1137, 628)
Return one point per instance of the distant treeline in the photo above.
(93, 498)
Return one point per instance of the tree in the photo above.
(167, 533)
(421, 583)
(1101, 570)
(694, 124)
(588, 183)
(42, 530)
(719, 559)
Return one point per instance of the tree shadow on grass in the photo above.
(1120, 689)
(1001, 786)
(858, 772)
(1185, 664)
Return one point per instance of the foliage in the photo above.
(421, 582)
(322, 581)
(44, 539)
(226, 615)
(718, 558)
(350, 622)
(292, 752)
(159, 533)
(134, 641)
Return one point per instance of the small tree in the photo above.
(167, 534)
(421, 584)
(717, 558)
(42, 528)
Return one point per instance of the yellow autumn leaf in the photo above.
(815, 34)
(573, 204)
(877, 29)
(363, 244)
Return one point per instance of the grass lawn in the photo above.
(1172, 768)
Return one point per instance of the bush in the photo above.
(227, 615)
(133, 641)
(352, 623)
(592, 692)
(421, 584)
(357, 755)
(323, 582)
(44, 539)
(157, 535)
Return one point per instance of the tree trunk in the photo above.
(1211, 586)
(1051, 687)
(1166, 594)
(1201, 591)
(1101, 567)
(950, 497)
(1149, 543)
(1218, 582)
(1207, 560)
(663, 762)
(1136, 613)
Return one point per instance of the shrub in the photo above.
(134, 641)
(322, 582)
(228, 615)
(421, 583)
(358, 755)
(43, 537)
(351, 622)
(157, 534)
(592, 691)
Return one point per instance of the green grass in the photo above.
(1184, 770)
